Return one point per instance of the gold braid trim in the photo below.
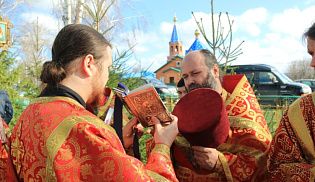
(300, 129)
(104, 108)
(226, 167)
(312, 170)
(53, 99)
(225, 95)
(162, 149)
(236, 148)
(243, 123)
(156, 176)
(61, 133)
(181, 141)
(236, 91)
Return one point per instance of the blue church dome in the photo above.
(197, 45)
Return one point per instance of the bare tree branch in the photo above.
(6, 6)
(221, 43)
(300, 69)
(33, 45)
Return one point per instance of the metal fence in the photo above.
(274, 112)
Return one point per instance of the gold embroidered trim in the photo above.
(186, 174)
(181, 141)
(60, 134)
(52, 99)
(312, 170)
(106, 106)
(226, 168)
(156, 176)
(224, 95)
(235, 93)
(300, 128)
(235, 149)
(162, 149)
(244, 123)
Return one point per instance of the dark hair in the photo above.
(73, 41)
(181, 83)
(310, 33)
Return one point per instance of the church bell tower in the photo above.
(175, 46)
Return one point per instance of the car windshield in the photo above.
(307, 82)
(157, 83)
(282, 76)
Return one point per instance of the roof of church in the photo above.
(172, 68)
(195, 46)
(168, 62)
(174, 37)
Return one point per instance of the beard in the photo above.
(209, 82)
(97, 98)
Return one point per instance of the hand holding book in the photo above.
(144, 103)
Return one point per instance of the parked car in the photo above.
(270, 85)
(162, 89)
(309, 82)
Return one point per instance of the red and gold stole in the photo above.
(3, 151)
(243, 156)
(292, 153)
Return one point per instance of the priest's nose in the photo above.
(189, 81)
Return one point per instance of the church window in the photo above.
(172, 80)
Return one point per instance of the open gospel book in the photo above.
(144, 102)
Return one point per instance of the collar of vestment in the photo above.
(61, 90)
(224, 95)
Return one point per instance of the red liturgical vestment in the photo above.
(292, 153)
(4, 162)
(243, 156)
(56, 139)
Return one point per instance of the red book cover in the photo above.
(144, 102)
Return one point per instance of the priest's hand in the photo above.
(165, 134)
(206, 158)
(129, 131)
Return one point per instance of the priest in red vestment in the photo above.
(242, 156)
(292, 154)
(57, 139)
(4, 130)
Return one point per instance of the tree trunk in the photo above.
(66, 18)
(79, 11)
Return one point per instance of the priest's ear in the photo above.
(216, 71)
(88, 65)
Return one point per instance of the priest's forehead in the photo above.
(193, 59)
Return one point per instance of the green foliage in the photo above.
(142, 145)
(121, 72)
(9, 76)
(273, 116)
(20, 88)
